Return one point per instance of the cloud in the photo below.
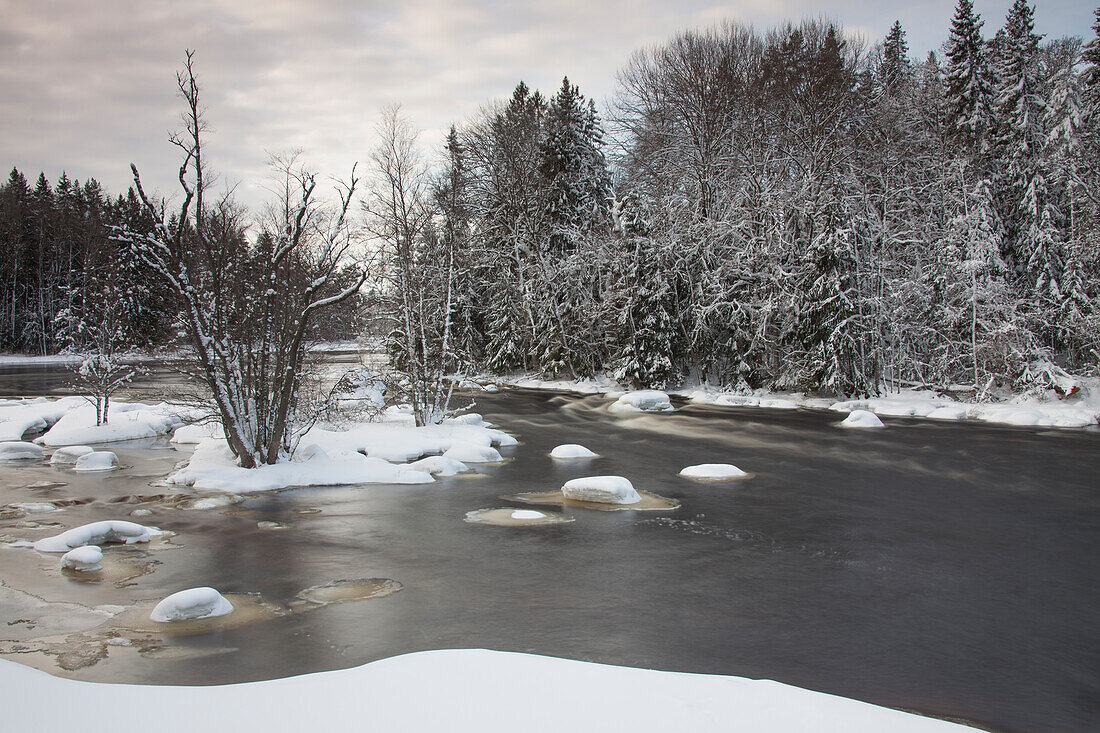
(90, 87)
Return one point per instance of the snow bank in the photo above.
(97, 533)
(646, 400)
(472, 453)
(97, 460)
(191, 604)
(714, 471)
(572, 450)
(393, 691)
(17, 450)
(740, 400)
(127, 421)
(68, 455)
(84, 559)
(861, 419)
(601, 489)
(19, 416)
(439, 466)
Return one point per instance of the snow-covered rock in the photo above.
(97, 533)
(572, 450)
(527, 514)
(601, 489)
(97, 460)
(17, 450)
(193, 603)
(473, 453)
(439, 466)
(68, 455)
(85, 559)
(861, 419)
(646, 400)
(715, 471)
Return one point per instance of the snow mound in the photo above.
(97, 460)
(97, 533)
(861, 419)
(439, 466)
(190, 604)
(127, 421)
(67, 456)
(196, 433)
(17, 450)
(713, 471)
(646, 400)
(85, 559)
(473, 453)
(527, 514)
(602, 490)
(572, 450)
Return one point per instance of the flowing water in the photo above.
(952, 570)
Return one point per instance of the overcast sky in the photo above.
(89, 87)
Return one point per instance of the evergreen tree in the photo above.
(969, 91)
(895, 70)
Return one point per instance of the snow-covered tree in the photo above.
(969, 90)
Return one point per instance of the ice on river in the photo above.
(601, 489)
(190, 604)
(392, 691)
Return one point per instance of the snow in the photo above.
(601, 489)
(97, 460)
(97, 533)
(192, 603)
(68, 455)
(472, 453)
(195, 434)
(35, 507)
(84, 559)
(861, 419)
(740, 400)
(393, 692)
(713, 471)
(19, 416)
(439, 466)
(646, 400)
(126, 421)
(527, 514)
(572, 450)
(17, 450)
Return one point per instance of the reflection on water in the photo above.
(953, 570)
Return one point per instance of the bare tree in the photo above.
(419, 271)
(247, 306)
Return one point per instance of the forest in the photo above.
(794, 209)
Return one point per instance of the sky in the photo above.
(89, 87)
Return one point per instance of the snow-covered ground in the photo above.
(454, 690)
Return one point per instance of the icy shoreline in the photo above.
(447, 690)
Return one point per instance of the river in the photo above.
(948, 569)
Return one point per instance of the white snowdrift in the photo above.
(861, 419)
(17, 450)
(97, 460)
(191, 604)
(393, 691)
(19, 416)
(127, 421)
(602, 489)
(646, 400)
(97, 533)
(196, 433)
(84, 559)
(713, 471)
(68, 455)
(572, 450)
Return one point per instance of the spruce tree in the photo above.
(896, 68)
(969, 91)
